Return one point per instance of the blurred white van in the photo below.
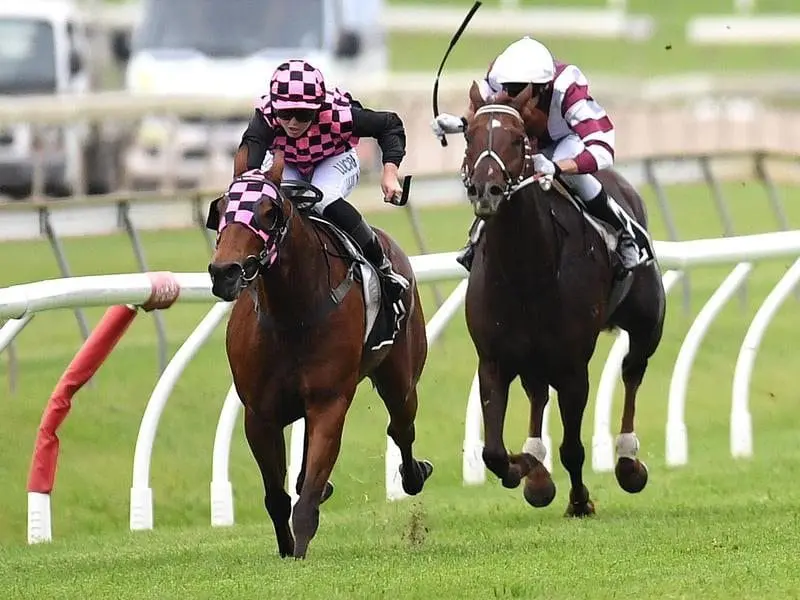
(43, 51)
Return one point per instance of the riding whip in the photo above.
(453, 42)
(403, 199)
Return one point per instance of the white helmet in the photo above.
(524, 61)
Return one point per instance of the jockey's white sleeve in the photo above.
(586, 118)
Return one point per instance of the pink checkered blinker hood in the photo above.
(297, 84)
(243, 197)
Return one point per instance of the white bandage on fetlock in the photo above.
(536, 448)
(627, 445)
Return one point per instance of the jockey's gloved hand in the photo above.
(544, 166)
(446, 123)
(544, 171)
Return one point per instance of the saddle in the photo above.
(383, 316)
(623, 279)
(605, 229)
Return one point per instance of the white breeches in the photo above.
(336, 176)
(585, 184)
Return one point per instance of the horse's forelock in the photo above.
(511, 124)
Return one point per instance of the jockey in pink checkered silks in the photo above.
(576, 136)
(317, 129)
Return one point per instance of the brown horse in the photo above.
(541, 289)
(295, 343)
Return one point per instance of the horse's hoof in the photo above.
(539, 491)
(286, 548)
(511, 480)
(631, 474)
(580, 505)
(580, 509)
(327, 492)
(413, 485)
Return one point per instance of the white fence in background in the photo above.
(19, 303)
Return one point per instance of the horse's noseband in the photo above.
(275, 234)
(512, 183)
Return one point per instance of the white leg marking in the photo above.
(536, 448)
(627, 445)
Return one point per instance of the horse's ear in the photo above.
(212, 220)
(475, 96)
(535, 121)
(275, 173)
(522, 99)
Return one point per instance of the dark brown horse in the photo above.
(541, 289)
(295, 344)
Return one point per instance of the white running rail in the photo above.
(19, 303)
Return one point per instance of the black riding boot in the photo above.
(627, 248)
(467, 253)
(346, 216)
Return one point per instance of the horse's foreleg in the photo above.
(631, 473)
(269, 449)
(573, 392)
(494, 385)
(328, 491)
(539, 487)
(324, 424)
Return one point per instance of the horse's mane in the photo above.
(275, 173)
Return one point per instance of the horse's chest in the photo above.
(268, 382)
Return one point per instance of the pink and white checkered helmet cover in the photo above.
(297, 84)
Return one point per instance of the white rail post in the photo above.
(473, 471)
(741, 437)
(141, 510)
(677, 439)
(221, 488)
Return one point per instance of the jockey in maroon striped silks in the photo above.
(577, 142)
(317, 127)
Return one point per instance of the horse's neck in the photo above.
(295, 286)
(523, 236)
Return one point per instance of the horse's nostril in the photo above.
(495, 190)
(224, 271)
(472, 190)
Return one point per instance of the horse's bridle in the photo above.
(512, 184)
(252, 265)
